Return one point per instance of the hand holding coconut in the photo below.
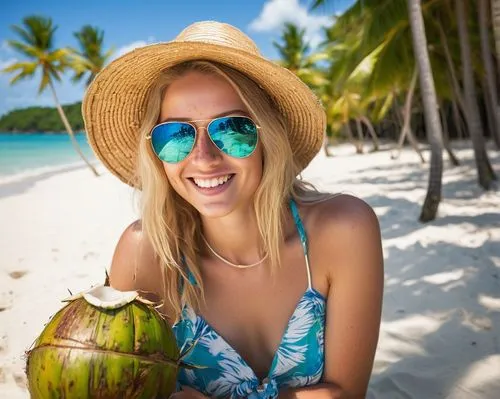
(188, 393)
(104, 344)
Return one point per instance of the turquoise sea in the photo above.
(25, 151)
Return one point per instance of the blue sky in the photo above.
(131, 23)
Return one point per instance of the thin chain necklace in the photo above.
(231, 263)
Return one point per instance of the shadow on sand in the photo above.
(441, 314)
(23, 184)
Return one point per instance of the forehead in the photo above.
(197, 95)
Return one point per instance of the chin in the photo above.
(215, 209)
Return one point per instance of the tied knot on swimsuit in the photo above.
(267, 389)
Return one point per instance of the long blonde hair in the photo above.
(173, 226)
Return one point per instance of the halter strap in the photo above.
(303, 238)
(191, 278)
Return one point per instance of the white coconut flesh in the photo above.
(106, 297)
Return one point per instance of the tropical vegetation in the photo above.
(396, 71)
(36, 45)
(416, 70)
(41, 119)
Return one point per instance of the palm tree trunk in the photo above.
(491, 125)
(325, 145)
(484, 169)
(372, 132)
(406, 130)
(70, 130)
(350, 136)
(457, 119)
(451, 69)
(491, 81)
(359, 130)
(446, 136)
(458, 101)
(432, 123)
(495, 15)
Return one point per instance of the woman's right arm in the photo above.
(134, 265)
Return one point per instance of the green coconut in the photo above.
(104, 344)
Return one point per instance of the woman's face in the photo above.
(199, 96)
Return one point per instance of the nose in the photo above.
(205, 152)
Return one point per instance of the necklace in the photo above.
(231, 263)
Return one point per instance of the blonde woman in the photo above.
(273, 288)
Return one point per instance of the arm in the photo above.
(347, 243)
(134, 266)
(318, 391)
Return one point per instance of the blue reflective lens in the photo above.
(173, 141)
(234, 135)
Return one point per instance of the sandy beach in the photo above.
(440, 333)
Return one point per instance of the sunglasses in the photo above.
(235, 136)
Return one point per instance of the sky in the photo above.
(132, 23)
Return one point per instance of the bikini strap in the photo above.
(191, 278)
(303, 238)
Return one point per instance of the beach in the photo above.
(440, 332)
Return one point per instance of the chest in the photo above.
(251, 311)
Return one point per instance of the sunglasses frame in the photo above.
(191, 123)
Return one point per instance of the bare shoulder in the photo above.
(342, 226)
(348, 250)
(134, 265)
(341, 208)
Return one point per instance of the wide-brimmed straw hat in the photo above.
(115, 102)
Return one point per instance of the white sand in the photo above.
(441, 321)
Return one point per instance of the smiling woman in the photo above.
(272, 288)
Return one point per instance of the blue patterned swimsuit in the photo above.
(298, 361)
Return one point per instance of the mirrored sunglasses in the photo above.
(235, 136)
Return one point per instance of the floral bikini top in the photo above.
(298, 361)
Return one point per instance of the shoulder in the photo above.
(134, 265)
(347, 244)
(343, 211)
(342, 227)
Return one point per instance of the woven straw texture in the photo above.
(114, 103)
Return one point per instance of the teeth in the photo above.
(210, 183)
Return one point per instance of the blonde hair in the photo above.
(173, 226)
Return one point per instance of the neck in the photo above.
(235, 237)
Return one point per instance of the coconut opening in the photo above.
(106, 297)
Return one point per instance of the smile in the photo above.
(213, 182)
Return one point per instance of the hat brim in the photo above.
(114, 103)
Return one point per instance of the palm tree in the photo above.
(37, 44)
(490, 75)
(90, 59)
(495, 16)
(386, 28)
(294, 53)
(486, 175)
(429, 99)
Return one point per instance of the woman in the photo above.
(272, 288)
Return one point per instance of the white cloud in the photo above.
(5, 63)
(131, 46)
(5, 48)
(276, 12)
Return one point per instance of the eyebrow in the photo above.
(226, 113)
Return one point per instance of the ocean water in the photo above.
(27, 151)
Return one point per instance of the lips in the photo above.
(213, 182)
(220, 184)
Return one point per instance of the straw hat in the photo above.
(114, 103)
